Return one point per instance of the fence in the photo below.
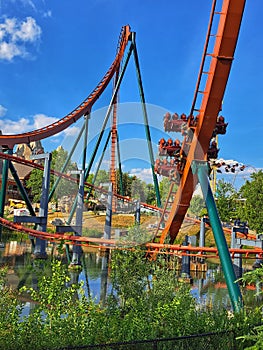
(207, 341)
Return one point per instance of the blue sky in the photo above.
(53, 53)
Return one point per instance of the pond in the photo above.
(208, 288)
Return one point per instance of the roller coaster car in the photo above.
(212, 152)
(174, 123)
(168, 169)
(169, 148)
(173, 151)
(221, 126)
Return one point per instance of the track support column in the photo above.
(107, 226)
(3, 188)
(77, 250)
(201, 169)
(40, 247)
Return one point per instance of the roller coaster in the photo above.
(185, 163)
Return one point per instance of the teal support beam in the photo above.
(201, 169)
(83, 128)
(22, 190)
(3, 189)
(146, 123)
(99, 164)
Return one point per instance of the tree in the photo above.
(164, 189)
(251, 210)
(197, 205)
(226, 196)
(150, 194)
(126, 184)
(137, 189)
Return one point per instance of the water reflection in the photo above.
(208, 287)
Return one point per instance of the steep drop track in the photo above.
(211, 101)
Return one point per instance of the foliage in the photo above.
(150, 195)
(164, 189)
(138, 189)
(136, 235)
(226, 196)
(251, 210)
(255, 337)
(146, 302)
(197, 205)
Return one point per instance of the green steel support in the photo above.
(99, 164)
(87, 171)
(66, 162)
(21, 189)
(146, 123)
(85, 141)
(201, 169)
(3, 188)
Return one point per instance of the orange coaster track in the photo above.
(175, 249)
(196, 148)
(71, 178)
(84, 108)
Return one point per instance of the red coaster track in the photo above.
(84, 108)
(216, 79)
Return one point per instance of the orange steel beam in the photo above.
(156, 248)
(70, 178)
(83, 108)
(113, 146)
(221, 60)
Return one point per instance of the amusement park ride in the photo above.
(185, 163)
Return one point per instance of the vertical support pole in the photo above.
(4, 188)
(40, 247)
(137, 213)
(104, 277)
(77, 250)
(107, 227)
(185, 269)
(237, 261)
(201, 169)
(146, 123)
(202, 233)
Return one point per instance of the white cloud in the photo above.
(3, 111)
(72, 131)
(144, 174)
(10, 50)
(15, 34)
(42, 120)
(28, 30)
(14, 127)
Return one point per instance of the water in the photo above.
(208, 287)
